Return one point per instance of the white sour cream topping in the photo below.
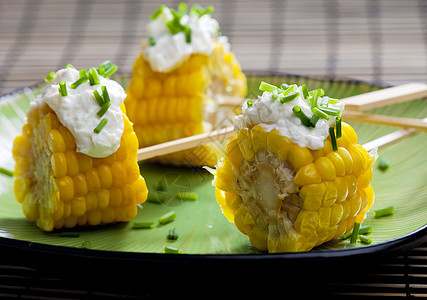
(78, 112)
(171, 50)
(271, 114)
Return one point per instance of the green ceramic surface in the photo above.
(202, 227)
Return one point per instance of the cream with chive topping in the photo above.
(78, 110)
(174, 35)
(289, 109)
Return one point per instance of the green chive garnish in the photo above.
(183, 8)
(151, 40)
(320, 92)
(249, 103)
(167, 218)
(330, 111)
(364, 239)
(155, 198)
(266, 87)
(173, 234)
(284, 86)
(6, 172)
(79, 81)
(82, 73)
(72, 234)
(110, 71)
(314, 120)
(388, 211)
(305, 91)
(289, 97)
(355, 233)
(172, 250)
(365, 229)
(105, 94)
(49, 76)
(93, 77)
(62, 88)
(383, 163)
(142, 225)
(69, 66)
(302, 116)
(346, 236)
(333, 139)
(320, 113)
(315, 96)
(98, 98)
(338, 127)
(157, 12)
(103, 109)
(186, 196)
(86, 245)
(187, 32)
(100, 125)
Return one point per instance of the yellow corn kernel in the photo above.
(66, 188)
(342, 188)
(59, 164)
(233, 153)
(338, 163)
(299, 156)
(258, 238)
(78, 207)
(307, 174)
(72, 163)
(336, 214)
(325, 168)
(105, 176)
(92, 180)
(331, 193)
(278, 145)
(225, 177)
(245, 144)
(312, 195)
(259, 138)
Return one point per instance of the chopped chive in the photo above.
(183, 8)
(103, 109)
(79, 81)
(289, 97)
(383, 163)
(172, 250)
(6, 172)
(333, 139)
(62, 88)
(346, 236)
(100, 125)
(249, 103)
(110, 71)
(162, 185)
(388, 211)
(331, 111)
(93, 76)
(333, 101)
(266, 87)
(82, 73)
(98, 98)
(167, 218)
(49, 76)
(320, 113)
(291, 89)
(173, 234)
(142, 225)
(86, 245)
(364, 239)
(186, 196)
(315, 96)
(187, 32)
(284, 86)
(320, 92)
(314, 120)
(106, 65)
(355, 233)
(157, 12)
(105, 94)
(155, 198)
(275, 96)
(72, 234)
(338, 127)
(365, 229)
(302, 116)
(69, 66)
(305, 91)
(151, 41)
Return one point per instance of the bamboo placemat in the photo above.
(383, 42)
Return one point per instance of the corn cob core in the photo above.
(288, 198)
(59, 187)
(183, 102)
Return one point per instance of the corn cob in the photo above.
(288, 198)
(181, 102)
(60, 187)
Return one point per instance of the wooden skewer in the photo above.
(387, 96)
(417, 124)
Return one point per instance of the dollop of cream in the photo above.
(271, 114)
(170, 50)
(78, 112)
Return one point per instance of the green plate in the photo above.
(202, 227)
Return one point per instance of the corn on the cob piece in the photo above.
(165, 106)
(59, 187)
(288, 198)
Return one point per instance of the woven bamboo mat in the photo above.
(379, 41)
